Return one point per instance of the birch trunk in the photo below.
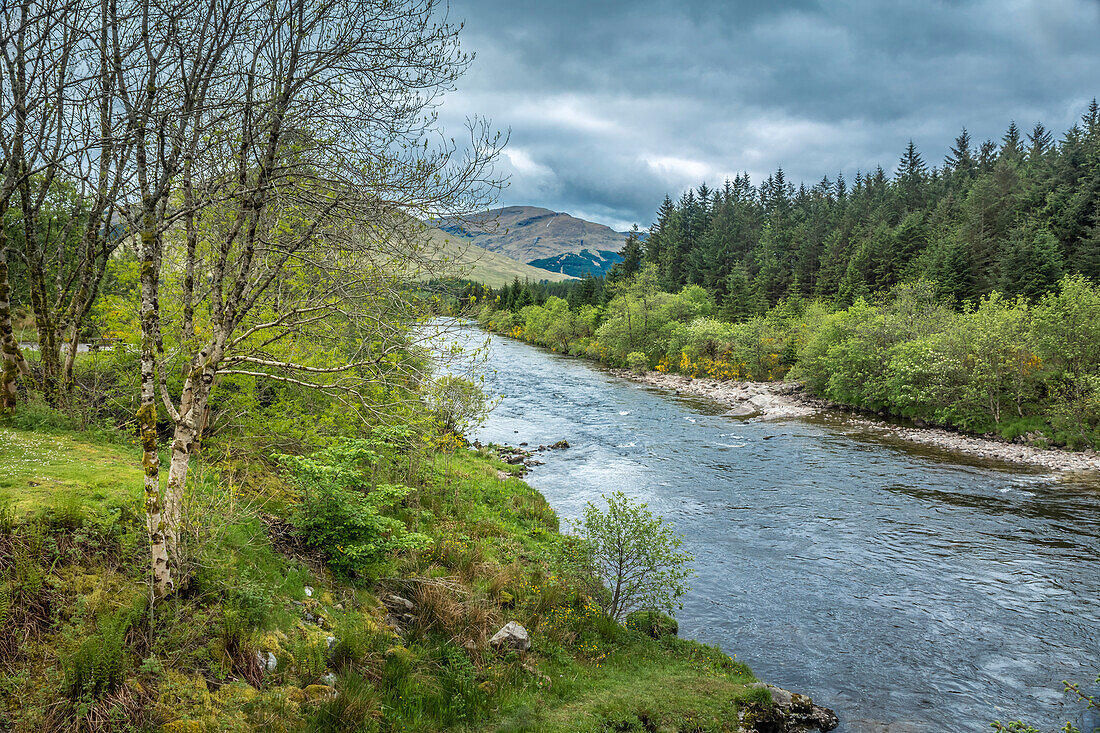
(161, 532)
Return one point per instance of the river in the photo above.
(892, 583)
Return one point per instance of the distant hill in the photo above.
(466, 260)
(579, 264)
(532, 234)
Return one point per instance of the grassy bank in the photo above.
(83, 651)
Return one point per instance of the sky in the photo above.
(611, 104)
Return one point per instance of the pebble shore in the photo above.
(783, 400)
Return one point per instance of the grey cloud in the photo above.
(612, 104)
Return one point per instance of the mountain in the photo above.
(579, 264)
(466, 260)
(532, 234)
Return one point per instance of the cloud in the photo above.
(613, 104)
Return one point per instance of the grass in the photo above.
(72, 574)
(39, 469)
(480, 265)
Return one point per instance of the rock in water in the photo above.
(791, 713)
(512, 636)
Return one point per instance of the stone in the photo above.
(400, 603)
(560, 445)
(791, 713)
(314, 693)
(268, 661)
(330, 641)
(511, 636)
(744, 410)
(309, 591)
(329, 679)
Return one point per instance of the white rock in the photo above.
(512, 635)
(268, 661)
(309, 591)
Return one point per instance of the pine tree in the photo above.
(961, 158)
(1039, 141)
(911, 176)
(1032, 263)
(1011, 144)
(631, 253)
(658, 232)
(740, 301)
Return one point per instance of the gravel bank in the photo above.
(778, 400)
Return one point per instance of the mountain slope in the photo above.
(464, 259)
(527, 233)
(579, 264)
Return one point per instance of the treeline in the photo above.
(1012, 217)
(1008, 365)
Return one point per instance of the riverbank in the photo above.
(275, 639)
(786, 400)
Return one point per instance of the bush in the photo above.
(652, 623)
(637, 361)
(341, 513)
(457, 404)
(636, 554)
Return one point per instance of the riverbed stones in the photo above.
(511, 636)
(745, 410)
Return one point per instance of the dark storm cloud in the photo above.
(613, 104)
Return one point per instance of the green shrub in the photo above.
(637, 361)
(457, 404)
(652, 623)
(341, 512)
(459, 698)
(636, 554)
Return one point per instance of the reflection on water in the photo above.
(888, 582)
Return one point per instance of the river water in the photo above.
(898, 585)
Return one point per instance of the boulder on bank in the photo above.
(789, 713)
(511, 636)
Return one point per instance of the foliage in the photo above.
(457, 404)
(341, 513)
(1007, 365)
(652, 623)
(637, 361)
(98, 666)
(495, 555)
(636, 554)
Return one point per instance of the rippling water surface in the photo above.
(895, 584)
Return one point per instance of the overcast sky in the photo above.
(613, 103)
